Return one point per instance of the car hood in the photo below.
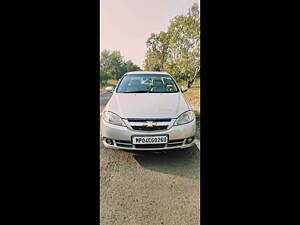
(147, 105)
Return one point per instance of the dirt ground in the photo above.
(147, 188)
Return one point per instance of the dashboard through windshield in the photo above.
(147, 83)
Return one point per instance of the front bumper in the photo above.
(121, 137)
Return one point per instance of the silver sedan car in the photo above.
(147, 111)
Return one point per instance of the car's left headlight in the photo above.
(113, 118)
(184, 118)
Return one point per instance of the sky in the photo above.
(125, 25)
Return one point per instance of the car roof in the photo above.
(146, 72)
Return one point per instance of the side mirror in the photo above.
(110, 89)
(184, 89)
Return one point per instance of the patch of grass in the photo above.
(195, 84)
(192, 95)
(103, 85)
(112, 83)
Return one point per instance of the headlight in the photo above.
(112, 118)
(184, 118)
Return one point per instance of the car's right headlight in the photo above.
(184, 118)
(113, 118)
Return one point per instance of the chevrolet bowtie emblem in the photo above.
(150, 124)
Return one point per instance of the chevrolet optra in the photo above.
(147, 111)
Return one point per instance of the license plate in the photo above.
(149, 140)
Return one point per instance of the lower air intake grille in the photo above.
(126, 144)
(173, 143)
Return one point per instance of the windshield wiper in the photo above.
(136, 92)
(147, 91)
(164, 92)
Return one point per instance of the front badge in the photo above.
(150, 124)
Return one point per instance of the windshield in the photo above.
(147, 83)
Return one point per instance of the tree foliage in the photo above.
(177, 51)
(157, 51)
(130, 66)
(113, 66)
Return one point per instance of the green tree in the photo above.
(177, 51)
(184, 50)
(113, 66)
(130, 66)
(157, 51)
(104, 77)
(112, 63)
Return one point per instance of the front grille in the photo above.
(145, 120)
(138, 124)
(144, 128)
(150, 146)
